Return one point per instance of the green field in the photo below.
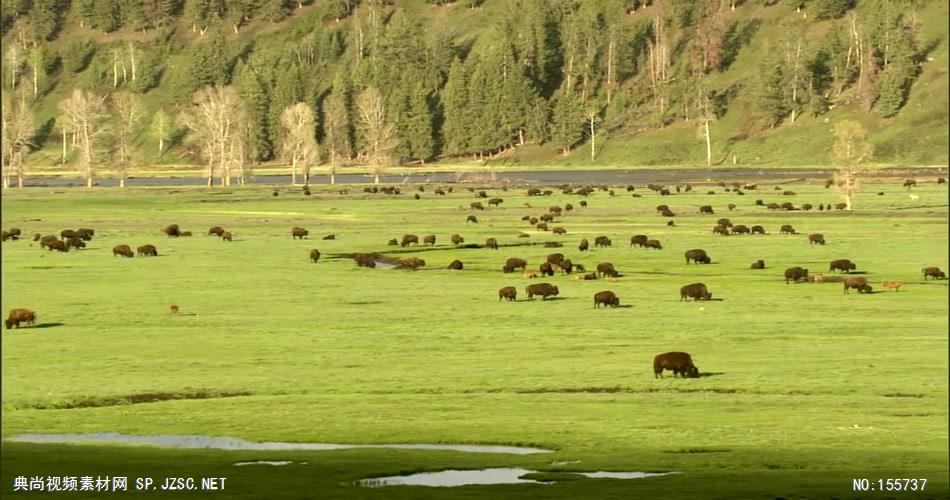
(803, 390)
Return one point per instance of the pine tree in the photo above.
(456, 107)
(567, 120)
(252, 85)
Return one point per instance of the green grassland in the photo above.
(805, 387)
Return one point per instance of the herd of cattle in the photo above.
(679, 362)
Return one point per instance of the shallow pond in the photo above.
(448, 478)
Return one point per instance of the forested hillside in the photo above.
(121, 86)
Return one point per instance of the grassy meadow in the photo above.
(804, 388)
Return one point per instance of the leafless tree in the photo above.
(336, 134)
(86, 114)
(379, 134)
(849, 152)
(17, 130)
(217, 119)
(129, 111)
(298, 144)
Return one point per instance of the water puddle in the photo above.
(449, 478)
(275, 463)
(227, 443)
(383, 265)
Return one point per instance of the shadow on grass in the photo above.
(48, 325)
(710, 374)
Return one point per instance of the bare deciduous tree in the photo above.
(336, 132)
(86, 114)
(17, 129)
(379, 134)
(161, 128)
(129, 111)
(298, 143)
(849, 151)
(217, 120)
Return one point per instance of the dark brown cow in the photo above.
(365, 260)
(816, 239)
(37, 236)
(298, 233)
(218, 230)
(584, 245)
(842, 265)
(933, 272)
(607, 269)
(76, 243)
(841, 206)
(393, 242)
(18, 316)
(7, 236)
(545, 290)
(409, 239)
(491, 243)
(314, 255)
(456, 239)
(787, 229)
(514, 263)
(607, 298)
(859, 284)
(695, 291)
(123, 250)
(172, 231)
(731, 206)
(57, 245)
(654, 244)
(680, 363)
(639, 240)
(542, 226)
(698, 256)
(14, 232)
(509, 293)
(428, 239)
(456, 265)
(533, 220)
(147, 250)
(807, 206)
(796, 274)
(602, 241)
(759, 264)
(910, 183)
(758, 229)
(226, 236)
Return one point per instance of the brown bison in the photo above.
(639, 239)
(841, 206)
(741, 229)
(456, 239)
(76, 243)
(226, 236)
(330, 236)
(47, 240)
(583, 246)
(807, 206)
(147, 250)
(721, 229)
(559, 230)
(514, 263)
(67, 233)
(759, 264)
(555, 258)
(298, 233)
(14, 232)
(602, 241)
(607, 269)
(545, 290)
(491, 243)
(412, 263)
(409, 239)
(172, 231)
(787, 229)
(816, 239)
(724, 222)
(706, 209)
(314, 255)
(393, 242)
(758, 229)
(428, 239)
(186, 233)
(662, 208)
(695, 291)
(542, 226)
(607, 298)
(455, 265)
(37, 236)
(796, 274)
(5, 235)
(933, 272)
(842, 265)
(472, 219)
(476, 206)
(123, 250)
(698, 256)
(218, 231)
(546, 269)
(654, 244)
(680, 363)
(567, 267)
(494, 202)
(18, 316)
(365, 260)
(57, 245)
(859, 284)
(508, 293)
(547, 218)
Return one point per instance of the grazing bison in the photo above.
(796, 274)
(607, 298)
(147, 250)
(680, 363)
(695, 291)
(741, 229)
(514, 263)
(933, 272)
(706, 209)
(559, 230)
(787, 229)
(546, 269)
(607, 269)
(508, 293)
(393, 242)
(841, 206)
(37, 236)
(472, 219)
(123, 250)
(807, 206)
(218, 231)
(494, 202)
(476, 205)
(532, 220)
(172, 231)
(57, 245)
(654, 244)
(409, 239)
(330, 236)
(76, 243)
(910, 183)
(816, 239)
(640, 240)
(67, 233)
(298, 233)
(545, 290)
(584, 245)
(724, 222)
(567, 267)
(491, 243)
(455, 265)
(759, 264)
(583, 204)
(226, 236)
(698, 256)
(186, 233)
(47, 240)
(14, 233)
(542, 226)
(412, 263)
(842, 265)
(365, 260)
(314, 255)
(457, 239)
(602, 241)
(721, 229)
(758, 229)
(859, 284)
(18, 316)
(7, 236)
(429, 239)
(894, 285)
(555, 258)
(662, 208)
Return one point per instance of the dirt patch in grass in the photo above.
(131, 399)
